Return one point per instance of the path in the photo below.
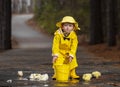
(26, 36)
(38, 60)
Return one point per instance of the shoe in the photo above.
(54, 77)
(73, 74)
(75, 77)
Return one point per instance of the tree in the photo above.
(96, 32)
(5, 24)
(112, 22)
(104, 15)
(1, 24)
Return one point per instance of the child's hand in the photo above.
(70, 59)
(54, 59)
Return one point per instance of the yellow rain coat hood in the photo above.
(68, 19)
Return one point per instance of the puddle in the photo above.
(11, 79)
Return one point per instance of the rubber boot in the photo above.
(54, 76)
(73, 74)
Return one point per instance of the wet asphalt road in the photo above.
(26, 36)
(37, 59)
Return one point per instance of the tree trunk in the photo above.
(96, 32)
(1, 24)
(5, 25)
(112, 22)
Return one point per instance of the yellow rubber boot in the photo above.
(54, 76)
(73, 74)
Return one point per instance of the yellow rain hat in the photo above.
(68, 19)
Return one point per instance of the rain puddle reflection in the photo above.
(70, 83)
(11, 79)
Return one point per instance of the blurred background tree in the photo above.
(5, 24)
(22, 6)
(48, 12)
(104, 18)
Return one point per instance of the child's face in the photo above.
(67, 27)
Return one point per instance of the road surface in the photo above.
(26, 36)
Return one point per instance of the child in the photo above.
(65, 45)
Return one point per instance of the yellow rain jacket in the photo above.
(64, 46)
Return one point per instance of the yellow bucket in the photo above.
(62, 72)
